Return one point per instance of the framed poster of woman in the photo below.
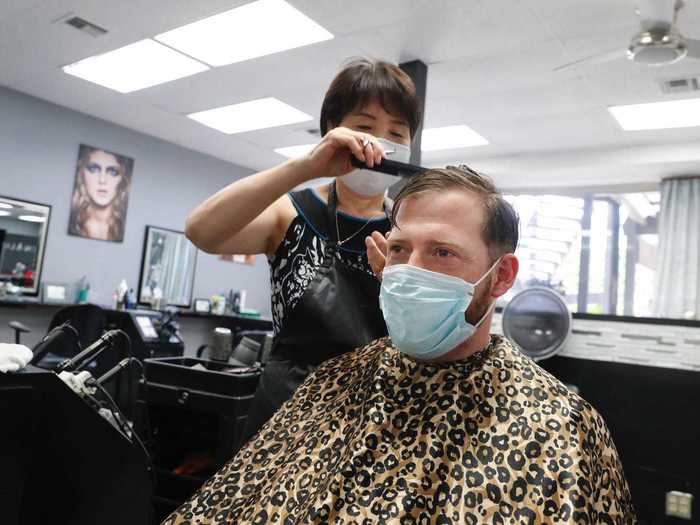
(100, 194)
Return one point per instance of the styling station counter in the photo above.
(195, 327)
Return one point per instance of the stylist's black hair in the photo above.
(363, 80)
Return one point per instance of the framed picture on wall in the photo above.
(202, 306)
(100, 194)
(58, 293)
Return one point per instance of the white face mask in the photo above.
(369, 183)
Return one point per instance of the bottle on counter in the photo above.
(83, 288)
(218, 304)
(236, 302)
(130, 301)
(121, 292)
(158, 301)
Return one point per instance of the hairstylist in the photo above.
(324, 293)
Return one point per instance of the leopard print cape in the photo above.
(376, 437)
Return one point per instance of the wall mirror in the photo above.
(167, 268)
(24, 226)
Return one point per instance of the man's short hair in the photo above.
(501, 224)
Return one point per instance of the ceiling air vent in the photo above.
(86, 27)
(680, 85)
(314, 131)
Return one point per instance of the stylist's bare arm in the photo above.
(251, 215)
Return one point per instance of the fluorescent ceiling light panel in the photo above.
(658, 115)
(137, 66)
(248, 116)
(6, 206)
(32, 218)
(5, 213)
(450, 137)
(249, 31)
(294, 152)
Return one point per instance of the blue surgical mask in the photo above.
(369, 182)
(424, 310)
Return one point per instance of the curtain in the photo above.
(678, 272)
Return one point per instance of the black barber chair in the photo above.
(89, 321)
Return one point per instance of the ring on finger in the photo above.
(366, 142)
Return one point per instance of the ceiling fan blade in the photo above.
(600, 58)
(656, 13)
(693, 48)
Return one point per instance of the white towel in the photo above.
(14, 357)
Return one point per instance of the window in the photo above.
(597, 250)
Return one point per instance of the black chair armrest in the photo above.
(19, 328)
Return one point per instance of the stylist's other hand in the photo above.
(14, 357)
(331, 156)
(376, 252)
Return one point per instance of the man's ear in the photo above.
(505, 274)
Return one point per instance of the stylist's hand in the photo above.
(331, 156)
(376, 252)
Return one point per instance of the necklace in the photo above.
(337, 230)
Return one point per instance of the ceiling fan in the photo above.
(658, 43)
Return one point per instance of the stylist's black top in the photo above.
(325, 298)
(301, 252)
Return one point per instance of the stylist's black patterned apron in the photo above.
(337, 311)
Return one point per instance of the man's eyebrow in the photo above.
(456, 246)
(433, 242)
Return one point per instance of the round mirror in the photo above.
(538, 322)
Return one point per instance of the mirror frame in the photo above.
(145, 252)
(36, 289)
